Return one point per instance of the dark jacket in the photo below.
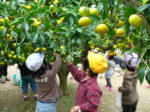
(120, 62)
(129, 88)
(24, 71)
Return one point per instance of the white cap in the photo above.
(34, 61)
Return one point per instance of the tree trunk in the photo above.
(63, 74)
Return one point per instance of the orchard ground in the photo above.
(11, 96)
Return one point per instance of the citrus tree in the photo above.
(73, 27)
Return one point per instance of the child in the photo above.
(129, 86)
(45, 75)
(26, 76)
(110, 70)
(88, 93)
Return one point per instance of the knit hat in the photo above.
(34, 61)
(97, 62)
(131, 60)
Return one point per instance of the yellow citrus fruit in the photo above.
(94, 11)
(28, 7)
(120, 23)
(135, 20)
(14, 56)
(14, 44)
(2, 53)
(84, 11)
(145, 1)
(2, 20)
(36, 23)
(36, 1)
(23, 59)
(2, 63)
(37, 50)
(126, 46)
(59, 21)
(44, 49)
(102, 28)
(35, 20)
(6, 18)
(7, 2)
(2, 27)
(12, 52)
(12, 26)
(62, 47)
(62, 18)
(56, 1)
(119, 45)
(9, 55)
(8, 35)
(85, 21)
(120, 32)
(114, 46)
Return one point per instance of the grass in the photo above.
(67, 102)
(13, 102)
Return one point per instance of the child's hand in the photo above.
(75, 109)
(120, 89)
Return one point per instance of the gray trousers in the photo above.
(108, 82)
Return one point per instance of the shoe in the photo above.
(110, 89)
(6, 79)
(107, 87)
(2, 81)
(147, 86)
(25, 98)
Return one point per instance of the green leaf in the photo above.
(71, 20)
(141, 72)
(18, 20)
(148, 76)
(26, 27)
(41, 40)
(3, 32)
(129, 11)
(14, 35)
(143, 7)
(79, 30)
(18, 51)
(35, 38)
(22, 1)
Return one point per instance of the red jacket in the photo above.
(88, 93)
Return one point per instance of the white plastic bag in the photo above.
(119, 102)
(18, 77)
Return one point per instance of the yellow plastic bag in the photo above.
(97, 62)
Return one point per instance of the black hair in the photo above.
(111, 57)
(41, 71)
(130, 68)
(86, 66)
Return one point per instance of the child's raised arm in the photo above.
(77, 74)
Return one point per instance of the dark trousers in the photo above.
(108, 82)
(28, 79)
(130, 108)
(3, 70)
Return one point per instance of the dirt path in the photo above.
(11, 97)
